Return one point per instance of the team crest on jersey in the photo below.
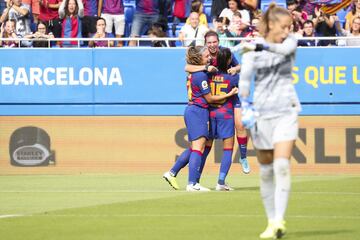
(204, 85)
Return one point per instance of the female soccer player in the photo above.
(276, 101)
(197, 114)
(222, 122)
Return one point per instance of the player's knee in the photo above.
(266, 172)
(282, 167)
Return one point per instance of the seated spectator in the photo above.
(146, 14)
(222, 29)
(308, 31)
(197, 6)
(193, 30)
(233, 7)
(113, 12)
(101, 33)
(42, 35)
(156, 31)
(254, 27)
(354, 32)
(355, 12)
(20, 13)
(49, 14)
(325, 27)
(8, 31)
(71, 12)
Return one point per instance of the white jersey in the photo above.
(274, 92)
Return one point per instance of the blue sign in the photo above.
(152, 81)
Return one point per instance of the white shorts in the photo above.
(117, 20)
(267, 132)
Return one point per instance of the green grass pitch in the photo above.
(86, 207)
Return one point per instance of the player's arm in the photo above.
(287, 47)
(216, 98)
(235, 66)
(198, 68)
(247, 70)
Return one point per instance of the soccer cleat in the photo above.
(196, 188)
(245, 165)
(225, 187)
(171, 180)
(279, 229)
(269, 232)
(274, 230)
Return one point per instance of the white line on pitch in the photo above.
(160, 191)
(11, 216)
(187, 215)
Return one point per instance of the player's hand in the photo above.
(212, 68)
(234, 91)
(232, 71)
(248, 114)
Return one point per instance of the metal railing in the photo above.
(66, 42)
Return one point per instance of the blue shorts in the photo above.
(197, 122)
(221, 128)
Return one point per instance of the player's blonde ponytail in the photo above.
(271, 15)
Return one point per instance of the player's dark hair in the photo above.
(223, 59)
(210, 34)
(194, 55)
(271, 15)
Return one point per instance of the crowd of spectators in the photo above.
(34, 23)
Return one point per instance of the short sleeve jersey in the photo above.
(198, 86)
(221, 84)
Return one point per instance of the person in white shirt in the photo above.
(193, 34)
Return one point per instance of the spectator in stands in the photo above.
(146, 14)
(299, 16)
(217, 7)
(113, 12)
(354, 32)
(49, 14)
(254, 27)
(197, 6)
(71, 12)
(194, 31)
(8, 31)
(42, 35)
(308, 7)
(90, 18)
(181, 12)
(233, 7)
(355, 12)
(239, 27)
(165, 9)
(157, 31)
(101, 33)
(34, 6)
(20, 13)
(222, 29)
(307, 31)
(324, 26)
